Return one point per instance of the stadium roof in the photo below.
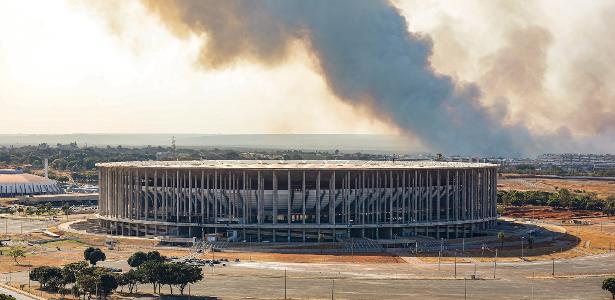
(18, 177)
(295, 164)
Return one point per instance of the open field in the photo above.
(601, 187)
(580, 254)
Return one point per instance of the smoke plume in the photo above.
(365, 54)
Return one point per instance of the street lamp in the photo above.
(455, 263)
(522, 238)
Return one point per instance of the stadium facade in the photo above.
(297, 200)
(15, 183)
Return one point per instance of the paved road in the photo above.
(578, 278)
(14, 294)
(23, 225)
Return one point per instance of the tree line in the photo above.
(563, 198)
(85, 279)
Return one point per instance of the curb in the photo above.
(16, 290)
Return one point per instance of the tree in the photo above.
(565, 197)
(66, 209)
(94, 255)
(6, 297)
(137, 259)
(188, 274)
(501, 238)
(131, 279)
(155, 256)
(554, 201)
(16, 252)
(95, 281)
(87, 252)
(107, 284)
(154, 272)
(609, 205)
(609, 285)
(48, 277)
(72, 270)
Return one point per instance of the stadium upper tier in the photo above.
(296, 164)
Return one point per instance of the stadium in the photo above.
(15, 183)
(297, 201)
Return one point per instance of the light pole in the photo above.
(332, 290)
(522, 238)
(553, 269)
(465, 289)
(441, 244)
(455, 264)
(495, 263)
(284, 283)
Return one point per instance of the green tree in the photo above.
(155, 256)
(66, 210)
(609, 285)
(16, 252)
(188, 274)
(6, 297)
(154, 272)
(48, 277)
(501, 238)
(131, 279)
(609, 205)
(94, 255)
(72, 270)
(107, 284)
(565, 197)
(554, 201)
(137, 259)
(95, 281)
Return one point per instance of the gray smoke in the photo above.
(367, 57)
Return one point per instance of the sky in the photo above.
(512, 76)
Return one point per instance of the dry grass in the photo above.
(600, 187)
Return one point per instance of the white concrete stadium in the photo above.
(15, 183)
(297, 200)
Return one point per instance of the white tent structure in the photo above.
(17, 183)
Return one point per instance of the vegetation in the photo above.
(138, 258)
(50, 278)
(6, 297)
(609, 285)
(70, 161)
(501, 237)
(87, 281)
(563, 198)
(94, 255)
(16, 252)
(554, 170)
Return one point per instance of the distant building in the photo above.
(14, 182)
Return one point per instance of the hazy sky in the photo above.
(71, 66)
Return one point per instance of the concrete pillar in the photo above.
(289, 211)
(203, 197)
(303, 201)
(190, 200)
(146, 196)
(275, 200)
(318, 202)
